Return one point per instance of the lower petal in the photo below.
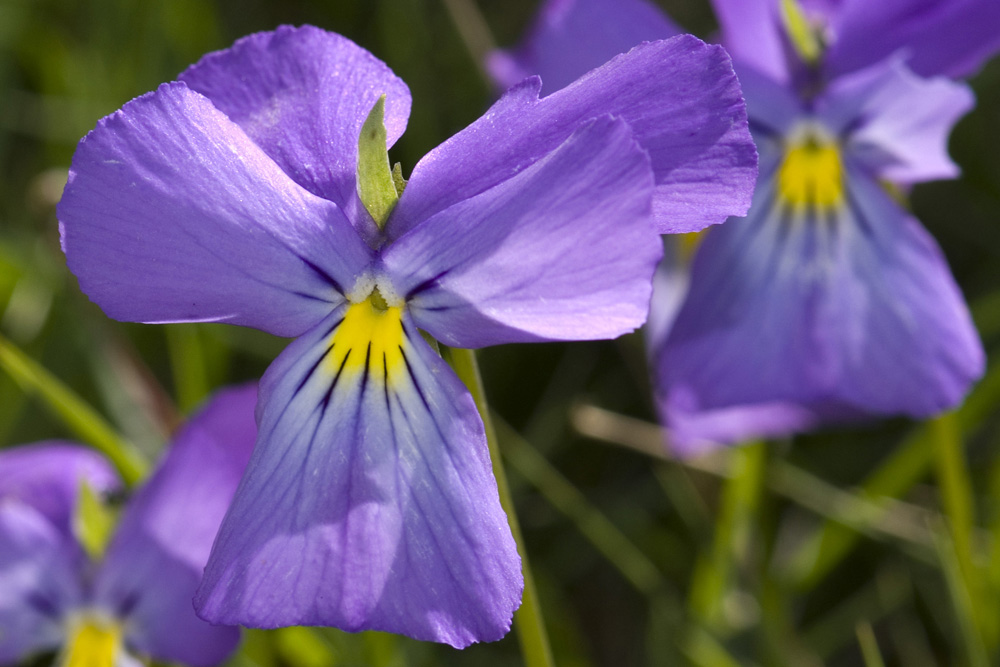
(369, 502)
(790, 322)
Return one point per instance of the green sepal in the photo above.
(376, 185)
(800, 32)
(94, 522)
(397, 178)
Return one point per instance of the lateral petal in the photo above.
(173, 214)
(679, 96)
(898, 122)
(791, 322)
(564, 250)
(302, 94)
(571, 37)
(47, 476)
(369, 502)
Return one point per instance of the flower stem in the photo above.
(78, 416)
(528, 618)
(958, 501)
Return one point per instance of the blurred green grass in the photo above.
(830, 549)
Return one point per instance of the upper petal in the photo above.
(572, 37)
(792, 321)
(679, 96)
(369, 502)
(896, 122)
(172, 213)
(155, 561)
(564, 250)
(949, 37)
(47, 476)
(753, 33)
(302, 94)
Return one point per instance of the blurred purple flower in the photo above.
(369, 502)
(829, 301)
(137, 598)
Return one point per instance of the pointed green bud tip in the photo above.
(801, 32)
(376, 185)
(94, 522)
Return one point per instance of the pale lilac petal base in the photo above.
(693, 432)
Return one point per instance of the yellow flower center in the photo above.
(811, 176)
(369, 340)
(93, 642)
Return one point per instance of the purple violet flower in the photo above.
(231, 195)
(829, 301)
(136, 599)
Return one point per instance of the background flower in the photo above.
(135, 598)
(828, 302)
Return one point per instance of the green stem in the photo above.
(187, 363)
(826, 548)
(78, 416)
(958, 502)
(606, 537)
(956, 488)
(740, 498)
(869, 645)
(528, 618)
(474, 32)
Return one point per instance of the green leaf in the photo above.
(376, 185)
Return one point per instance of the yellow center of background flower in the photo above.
(811, 177)
(93, 642)
(370, 339)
